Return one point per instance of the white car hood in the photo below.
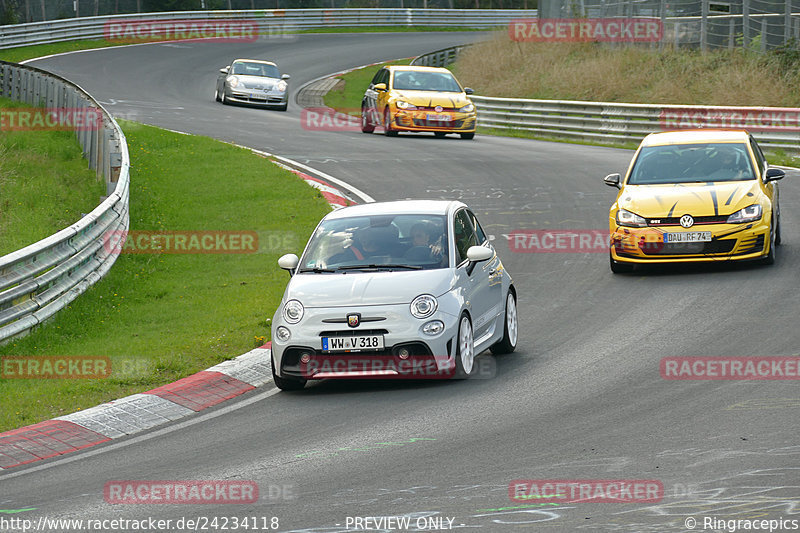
(367, 288)
(255, 82)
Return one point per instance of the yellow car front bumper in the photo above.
(420, 120)
(729, 242)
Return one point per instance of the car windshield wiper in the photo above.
(373, 266)
(318, 270)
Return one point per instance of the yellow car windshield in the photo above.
(688, 163)
(425, 81)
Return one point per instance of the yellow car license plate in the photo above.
(688, 236)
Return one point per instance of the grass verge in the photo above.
(45, 183)
(15, 55)
(162, 317)
(600, 73)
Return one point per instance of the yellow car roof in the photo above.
(695, 137)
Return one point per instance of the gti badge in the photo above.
(353, 320)
(687, 221)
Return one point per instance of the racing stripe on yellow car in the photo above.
(671, 209)
(713, 193)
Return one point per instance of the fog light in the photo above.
(403, 353)
(283, 334)
(434, 327)
(305, 358)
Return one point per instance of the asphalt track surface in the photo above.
(582, 398)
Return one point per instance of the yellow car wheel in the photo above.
(387, 124)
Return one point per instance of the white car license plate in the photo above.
(438, 118)
(688, 236)
(348, 344)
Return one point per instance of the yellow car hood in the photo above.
(432, 99)
(696, 199)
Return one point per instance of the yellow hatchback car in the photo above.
(695, 195)
(422, 99)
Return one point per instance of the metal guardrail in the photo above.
(43, 278)
(620, 122)
(268, 22)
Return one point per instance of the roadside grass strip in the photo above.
(45, 184)
(159, 317)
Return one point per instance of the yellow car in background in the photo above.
(422, 99)
(699, 195)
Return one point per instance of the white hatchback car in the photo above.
(408, 289)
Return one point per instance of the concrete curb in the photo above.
(140, 412)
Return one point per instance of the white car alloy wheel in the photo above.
(510, 328)
(511, 319)
(466, 348)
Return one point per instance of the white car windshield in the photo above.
(390, 242)
(243, 68)
(687, 163)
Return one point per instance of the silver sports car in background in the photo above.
(408, 289)
(252, 81)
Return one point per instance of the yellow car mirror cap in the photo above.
(379, 86)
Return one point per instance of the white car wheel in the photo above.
(510, 328)
(465, 354)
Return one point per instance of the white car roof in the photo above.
(416, 207)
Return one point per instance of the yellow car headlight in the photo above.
(748, 214)
(401, 104)
(626, 218)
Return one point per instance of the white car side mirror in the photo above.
(288, 262)
(479, 253)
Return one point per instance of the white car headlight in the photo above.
(281, 86)
(233, 81)
(750, 213)
(424, 306)
(404, 105)
(626, 218)
(469, 108)
(293, 311)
